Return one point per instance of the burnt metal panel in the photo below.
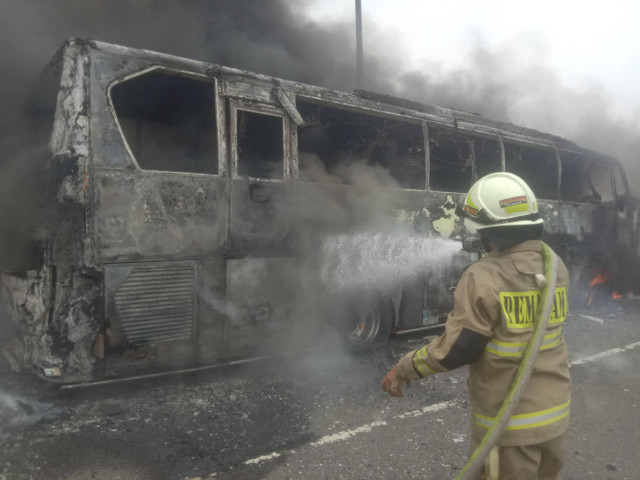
(260, 216)
(260, 298)
(71, 123)
(155, 303)
(248, 90)
(152, 215)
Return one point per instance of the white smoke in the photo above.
(17, 410)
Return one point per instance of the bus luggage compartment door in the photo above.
(150, 315)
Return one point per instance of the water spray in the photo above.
(366, 261)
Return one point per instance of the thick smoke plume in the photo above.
(275, 37)
(499, 85)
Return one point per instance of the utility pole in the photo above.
(359, 54)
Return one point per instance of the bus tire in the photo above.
(369, 324)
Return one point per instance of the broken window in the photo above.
(488, 158)
(168, 121)
(585, 179)
(535, 166)
(260, 145)
(336, 145)
(455, 156)
(451, 156)
(619, 183)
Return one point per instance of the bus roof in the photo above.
(383, 103)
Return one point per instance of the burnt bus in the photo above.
(186, 198)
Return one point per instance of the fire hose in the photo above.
(524, 369)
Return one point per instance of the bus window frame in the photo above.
(430, 125)
(219, 112)
(261, 109)
(588, 158)
(427, 155)
(619, 173)
(535, 146)
(363, 110)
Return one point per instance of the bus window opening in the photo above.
(168, 121)
(260, 145)
(585, 180)
(335, 140)
(451, 160)
(487, 153)
(536, 166)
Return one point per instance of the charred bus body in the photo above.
(188, 198)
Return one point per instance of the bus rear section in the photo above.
(169, 245)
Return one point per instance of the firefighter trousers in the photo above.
(541, 461)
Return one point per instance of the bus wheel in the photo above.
(369, 325)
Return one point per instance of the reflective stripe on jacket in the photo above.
(527, 420)
(491, 322)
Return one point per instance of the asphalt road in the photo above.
(318, 415)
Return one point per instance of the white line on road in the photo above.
(606, 353)
(593, 319)
(431, 408)
(347, 434)
(262, 458)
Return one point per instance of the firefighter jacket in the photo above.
(495, 305)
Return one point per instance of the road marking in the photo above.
(593, 319)
(431, 408)
(347, 434)
(271, 456)
(606, 353)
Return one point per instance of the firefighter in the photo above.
(491, 322)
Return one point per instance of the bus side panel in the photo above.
(161, 237)
(260, 306)
(260, 221)
(145, 216)
(165, 314)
